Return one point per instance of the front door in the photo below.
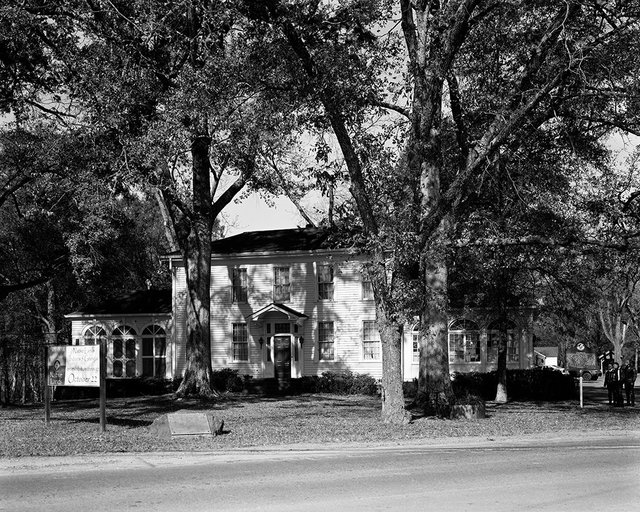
(282, 359)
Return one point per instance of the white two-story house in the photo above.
(288, 303)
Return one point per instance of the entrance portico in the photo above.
(280, 330)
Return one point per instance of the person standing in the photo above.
(629, 375)
(612, 383)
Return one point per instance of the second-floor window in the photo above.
(281, 284)
(239, 285)
(367, 287)
(325, 282)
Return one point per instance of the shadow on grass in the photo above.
(114, 421)
(140, 411)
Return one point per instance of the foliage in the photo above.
(347, 383)
(226, 379)
(530, 384)
(21, 353)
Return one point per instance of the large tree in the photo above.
(178, 83)
(490, 74)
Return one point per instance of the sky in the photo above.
(254, 214)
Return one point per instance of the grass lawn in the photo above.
(259, 421)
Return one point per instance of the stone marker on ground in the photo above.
(187, 423)
(469, 411)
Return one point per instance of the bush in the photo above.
(227, 379)
(347, 383)
(410, 388)
(541, 384)
(306, 384)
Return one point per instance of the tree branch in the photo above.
(390, 106)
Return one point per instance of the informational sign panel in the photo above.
(581, 356)
(581, 360)
(74, 365)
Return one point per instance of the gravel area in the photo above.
(252, 421)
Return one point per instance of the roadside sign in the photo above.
(71, 365)
(76, 365)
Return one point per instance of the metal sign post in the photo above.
(47, 389)
(581, 394)
(103, 386)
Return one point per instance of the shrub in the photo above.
(226, 379)
(306, 384)
(347, 383)
(410, 388)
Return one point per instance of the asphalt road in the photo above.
(586, 474)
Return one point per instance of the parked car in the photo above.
(558, 369)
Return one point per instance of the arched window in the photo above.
(494, 332)
(464, 342)
(94, 335)
(154, 351)
(124, 351)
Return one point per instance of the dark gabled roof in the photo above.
(134, 303)
(277, 240)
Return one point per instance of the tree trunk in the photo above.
(393, 406)
(197, 377)
(501, 287)
(195, 244)
(435, 393)
(501, 390)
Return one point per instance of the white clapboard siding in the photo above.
(347, 310)
(179, 319)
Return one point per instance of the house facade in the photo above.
(291, 303)
(138, 329)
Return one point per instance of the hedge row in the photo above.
(535, 384)
(339, 383)
(542, 384)
(229, 380)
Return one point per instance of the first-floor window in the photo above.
(240, 342)
(495, 331)
(415, 346)
(464, 342)
(326, 341)
(94, 335)
(154, 351)
(124, 351)
(370, 340)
